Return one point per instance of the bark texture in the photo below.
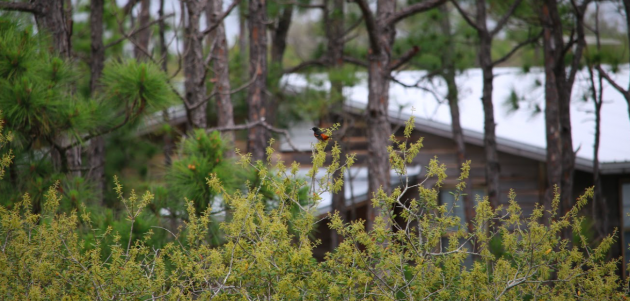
(378, 102)
(97, 60)
(381, 32)
(167, 139)
(257, 137)
(489, 133)
(448, 73)
(552, 49)
(50, 17)
(334, 31)
(194, 69)
(141, 44)
(221, 79)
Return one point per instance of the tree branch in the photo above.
(221, 18)
(244, 86)
(355, 61)
(580, 10)
(306, 64)
(465, 16)
(126, 36)
(395, 64)
(516, 48)
(501, 23)
(352, 27)
(19, 6)
(370, 24)
(612, 82)
(413, 9)
(260, 122)
(129, 7)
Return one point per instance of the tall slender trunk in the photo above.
(489, 133)
(242, 34)
(219, 51)
(97, 60)
(52, 19)
(278, 47)
(378, 130)
(600, 210)
(167, 139)
(334, 31)
(141, 46)
(194, 69)
(258, 136)
(448, 73)
(552, 49)
(565, 88)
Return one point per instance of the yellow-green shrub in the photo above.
(267, 250)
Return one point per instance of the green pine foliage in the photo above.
(201, 157)
(266, 252)
(6, 155)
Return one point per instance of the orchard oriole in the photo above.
(319, 134)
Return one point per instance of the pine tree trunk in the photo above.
(278, 47)
(52, 19)
(97, 60)
(194, 68)
(334, 30)
(168, 147)
(448, 65)
(551, 51)
(141, 45)
(489, 135)
(257, 137)
(378, 129)
(219, 51)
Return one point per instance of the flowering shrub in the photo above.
(267, 251)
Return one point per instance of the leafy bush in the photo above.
(267, 253)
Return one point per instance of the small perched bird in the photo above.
(319, 134)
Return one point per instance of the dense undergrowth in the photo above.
(262, 244)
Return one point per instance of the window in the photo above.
(447, 197)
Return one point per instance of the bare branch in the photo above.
(19, 6)
(306, 64)
(370, 23)
(129, 7)
(501, 23)
(465, 16)
(353, 26)
(303, 5)
(612, 82)
(221, 18)
(239, 89)
(413, 9)
(395, 64)
(126, 36)
(260, 122)
(516, 48)
(355, 61)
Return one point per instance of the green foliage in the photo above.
(266, 251)
(136, 87)
(6, 155)
(201, 158)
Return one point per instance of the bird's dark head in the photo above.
(315, 129)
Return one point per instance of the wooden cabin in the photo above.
(522, 168)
